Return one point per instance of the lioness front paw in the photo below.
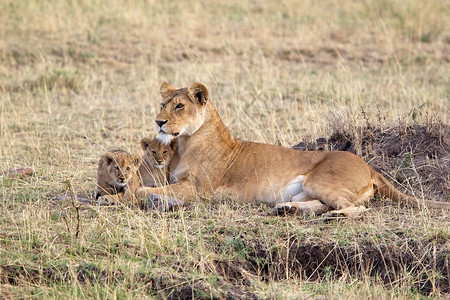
(163, 203)
(105, 201)
(140, 193)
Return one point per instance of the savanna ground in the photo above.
(80, 77)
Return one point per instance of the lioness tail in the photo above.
(385, 188)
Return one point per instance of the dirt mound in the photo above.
(388, 261)
(163, 286)
(415, 158)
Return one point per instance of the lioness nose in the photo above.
(161, 122)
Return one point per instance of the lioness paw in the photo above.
(307, 208)
(284, 209)
(163, 203)
(349, 212)
(104, 201)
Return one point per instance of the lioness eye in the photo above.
(161, 105)
(128, 168)
(164, 152)
(179, 106)
(117, 168)
(154, 152)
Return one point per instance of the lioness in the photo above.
(117, 178)
(156, 162)
(213, 162)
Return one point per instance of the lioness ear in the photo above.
(137, 159)
(108, 159)
(166, 89)
(199, 92)
(145, 143)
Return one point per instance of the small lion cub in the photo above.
(157, 160)
(117, 178)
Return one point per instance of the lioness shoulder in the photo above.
(117, 178)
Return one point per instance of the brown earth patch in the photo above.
(162, 285)
(386, 261)
(422, 264)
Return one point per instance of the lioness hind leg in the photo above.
(348, 212)
(340, 201)
(311, 207)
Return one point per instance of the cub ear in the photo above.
(145, 143)
(108, 159)
(165, 89)
(174, 145)
(199, 92)
(137, 159)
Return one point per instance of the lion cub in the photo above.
(117, 178)
(156, 163)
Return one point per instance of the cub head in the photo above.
(160, 154)
(182, 111)
(121, 165)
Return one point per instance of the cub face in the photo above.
(121, 166)
(182, 111)
(159, 154)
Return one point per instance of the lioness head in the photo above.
(182, 111)
(159, 153)
(121, 165)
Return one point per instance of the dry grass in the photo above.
(79, 77)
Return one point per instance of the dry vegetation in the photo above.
(79, 77)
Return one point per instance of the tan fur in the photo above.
(117, 178)
(212, 162)
(156, 162)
